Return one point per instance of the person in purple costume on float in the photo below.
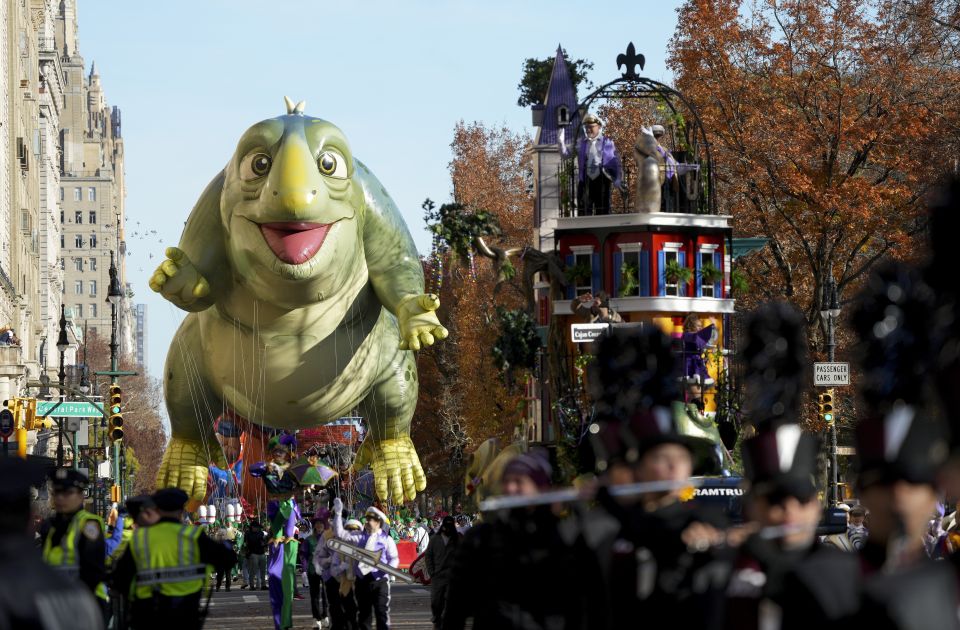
(598, 166)
(284, 514)
(372, 585)
(696, 338)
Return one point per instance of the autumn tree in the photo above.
(144, 436)
(463, 399)
(829, 122)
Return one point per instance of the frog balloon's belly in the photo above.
(297, 381)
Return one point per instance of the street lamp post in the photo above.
(62, 344)
(114, 296)
(830, 314)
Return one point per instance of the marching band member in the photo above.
(372, 585)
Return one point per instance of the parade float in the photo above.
(636, 226)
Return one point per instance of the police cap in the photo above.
(68, 478)
(138, 503)
(170, 499)
(19, 476)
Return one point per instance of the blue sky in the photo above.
(190, 77)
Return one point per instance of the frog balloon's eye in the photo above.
(255, 165)
(332, 165)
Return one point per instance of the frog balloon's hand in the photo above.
(397, 474)
(419, 325)
(178, 280)
(185, 465)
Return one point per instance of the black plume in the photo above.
(894, 317)
(632, 373)
(775, 360)
(940, 275)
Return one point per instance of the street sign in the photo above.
(6, 423)
(831, 374)
(585, 333)
(67, 409)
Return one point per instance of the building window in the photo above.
(93, 264)
(78, 240)
(78, 217)
(93, 330)
(62, 215)
(93, 241)
(709, 268)
(93, 310)
(563, 115)
(78, 264)
(583, 269)
(668, 256)
(93, 217)
(77, 194)
(631, 271)
(93, 288)
(78, 287)
(63, 242)
(78, 311)
(91, 194)
(61, 195)
(62, 264)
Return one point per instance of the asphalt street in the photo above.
(410, 609)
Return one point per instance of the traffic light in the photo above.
(825, 404)
(115, 494)
(116, 417)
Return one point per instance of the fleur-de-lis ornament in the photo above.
(631, 60)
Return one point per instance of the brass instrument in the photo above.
(367, 556)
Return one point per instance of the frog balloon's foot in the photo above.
(185, 466)
(397, 473)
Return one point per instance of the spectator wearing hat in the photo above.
(254, 552)
(841, 541)
(598, 166)
(372, 585)
(165, 567)
(35, 594)
(73, 540)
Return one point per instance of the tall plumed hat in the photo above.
(781, 460)
(633, 383)
(898, 438)
(776, 364)
(940, 275)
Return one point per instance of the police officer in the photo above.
(166, 565)
(34, 595)
(73, 541)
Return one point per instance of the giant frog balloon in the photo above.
(305, 298)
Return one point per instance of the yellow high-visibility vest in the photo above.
(168, 563)
(63, 557)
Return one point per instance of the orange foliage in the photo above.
(462, 398)
(142, 396)
(828, 123)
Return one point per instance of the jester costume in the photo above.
(284, 514)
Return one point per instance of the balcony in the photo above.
(646, 221)
(659, 304)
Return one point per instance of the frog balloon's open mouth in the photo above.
(294, 242)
